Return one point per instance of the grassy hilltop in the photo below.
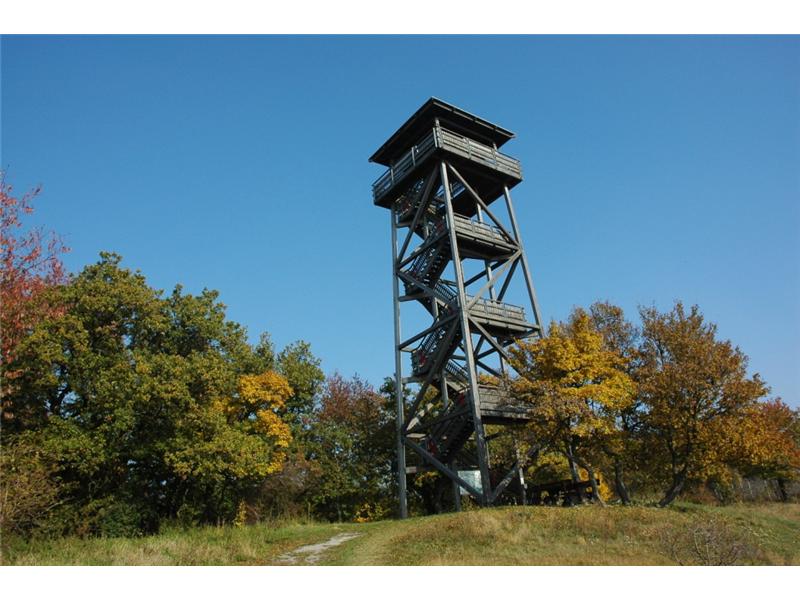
(590, 535)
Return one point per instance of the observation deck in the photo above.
(469, 143)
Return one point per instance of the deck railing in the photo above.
(402, 167)
(439, 137)
(479, 230)
(498, 310)
(448, 293)
(481, 153)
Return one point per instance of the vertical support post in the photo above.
(480, 440)
(398, 378)
(525, 269)
(492, 292)
(452, 463)
(457, 494)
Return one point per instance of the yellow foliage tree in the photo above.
(262, 397)
(576, 386)
(266, 390)
(696, 391)
(765, 442)
(250, 437)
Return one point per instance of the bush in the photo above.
(29, 489)
(109, 517)
(711, 542)
(120, 519)
(188, 515)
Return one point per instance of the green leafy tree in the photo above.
(302, 370)
(147, 404)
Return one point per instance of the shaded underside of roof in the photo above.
(450, 117)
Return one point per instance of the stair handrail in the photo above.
(456, 372)
(446, 293)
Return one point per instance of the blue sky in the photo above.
(656, 168)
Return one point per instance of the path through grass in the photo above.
(588, 535)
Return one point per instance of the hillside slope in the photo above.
(589, 535)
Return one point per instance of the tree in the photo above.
(150, 407)
(30, 266)
(302, 370)
(693, 386)
(576, 386)
(225, 449)
(766, 443)
(623, 443)
(351, 440)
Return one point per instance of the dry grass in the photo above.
(586, 535)
(522, 536)
(255, 545)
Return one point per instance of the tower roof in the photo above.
(451, 117)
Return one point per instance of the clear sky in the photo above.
(656, 168)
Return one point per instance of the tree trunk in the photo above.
(716, 491)
(437, 495)
(592, 479)
(595, 487)
(573, 470)
(782, 489)
(619, 484)
(678, 481)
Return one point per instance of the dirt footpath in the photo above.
(311, 554)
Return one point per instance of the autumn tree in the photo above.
(622, 445)
(693, 387)
(30, 266)
(293, 489)
(765, 442)
(575, 386)
(352, 441)
(150, 407)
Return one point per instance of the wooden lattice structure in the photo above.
(457, 257)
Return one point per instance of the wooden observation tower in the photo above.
(456, 255)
